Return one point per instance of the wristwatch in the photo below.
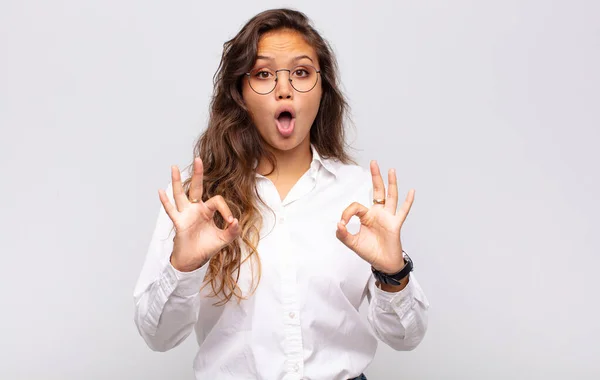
(394, 279)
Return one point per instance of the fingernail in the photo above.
(230, 219)
(343, 223)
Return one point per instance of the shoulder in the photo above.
(351, 183)
(350, 174)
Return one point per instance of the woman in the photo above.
(249, 249)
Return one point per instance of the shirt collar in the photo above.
(329, 164)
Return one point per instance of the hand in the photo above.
(197, 237)
(378, 240)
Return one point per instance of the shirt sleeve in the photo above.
(398, 319)
(166, 301)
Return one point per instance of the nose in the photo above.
(283, 87)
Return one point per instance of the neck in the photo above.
(290, 164)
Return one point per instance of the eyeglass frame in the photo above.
(289, 78)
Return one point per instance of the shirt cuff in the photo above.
(185, 284)
(400, 302)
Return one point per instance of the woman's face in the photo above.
(283, 49)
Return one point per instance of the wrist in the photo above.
(188, 266)
(396, 281)
(393, 288)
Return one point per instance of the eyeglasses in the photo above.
(303, 78)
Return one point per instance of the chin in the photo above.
(284, 144)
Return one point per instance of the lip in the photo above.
(283, 109)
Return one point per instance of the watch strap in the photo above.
(394, 279)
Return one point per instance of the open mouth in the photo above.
(285, 119)
(285, 123)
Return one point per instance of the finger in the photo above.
(354, 209)
(378, 185)
(197, 178)
(346, 237)
(391, 202)
(178, 193)
(167, 205)
(231, 232)
(217, 203)
(405, 209)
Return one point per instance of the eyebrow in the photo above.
(293, 60)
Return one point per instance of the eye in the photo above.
(262, 74)
(301, 73)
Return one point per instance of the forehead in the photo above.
(284, 45)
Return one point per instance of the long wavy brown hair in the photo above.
(231, 144)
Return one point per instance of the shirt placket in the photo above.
(292, 334)
(292, 343)
(293, 346)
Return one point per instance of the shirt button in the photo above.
(281, 220)
(292, 315)
(296, 368)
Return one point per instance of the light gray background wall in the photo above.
(489, 109)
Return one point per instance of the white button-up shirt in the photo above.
(302, 322)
